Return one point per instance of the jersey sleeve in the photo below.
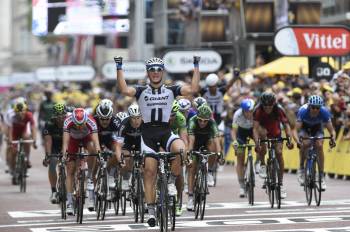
(191, 125)
(326, 115)
(214, 131)
(139, 90)
(181, 120)
(235, 119)
(282, 115)
(30, 118)
(176, 89)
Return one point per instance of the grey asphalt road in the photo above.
(31, 211)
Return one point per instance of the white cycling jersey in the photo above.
(239, 120)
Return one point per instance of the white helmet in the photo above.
(105, 109)
(184, 104)
(134, 110)
(155, 61)
(212, 79)
(122, 115)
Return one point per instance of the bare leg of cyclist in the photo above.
(92, 168)
(176, 168)
(71, 167)
(240, 171)
(53, 179)
(279, 157)
(190, 179)
(212, 163)
(26, 147)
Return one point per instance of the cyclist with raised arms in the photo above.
(155, 101)
(53, 133)
(108, 124)
(128, 139)
(311, 120)
(268, 117)
(18, 130)
(215, 94)
(203, 132)
(242, 129)
(79, 128)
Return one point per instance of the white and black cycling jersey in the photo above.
(155, 104)
(216, 102)
(241, 121)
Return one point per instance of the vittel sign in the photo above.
(313, 41)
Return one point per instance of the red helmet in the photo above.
(80, 116)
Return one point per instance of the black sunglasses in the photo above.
(202, 120)
(155, 69)
(315, 107)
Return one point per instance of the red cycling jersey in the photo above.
(271, 122)
(19, 125)
(77, 136)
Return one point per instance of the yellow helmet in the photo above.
(20, 107)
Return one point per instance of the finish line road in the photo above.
(31, 211)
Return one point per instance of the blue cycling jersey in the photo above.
(303, 116)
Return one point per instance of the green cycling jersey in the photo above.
(208, 132)
(178, 123)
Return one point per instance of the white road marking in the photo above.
(198, 224)
(210, 206)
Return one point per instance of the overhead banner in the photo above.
(182, 61)
(132, 70)
(313, 41)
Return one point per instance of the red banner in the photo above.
(313, 41)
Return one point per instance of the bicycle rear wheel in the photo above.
(123, 202)
(317, 179)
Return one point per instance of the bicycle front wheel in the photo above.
(81, 197)
(140, 201)
(308, 181)
(251, 181)
(270, 183)
(62, 192)
(277, 184)
(22, 173)
(172, 211)
(317, 180)
(163, 201)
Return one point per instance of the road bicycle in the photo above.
(200, 190)
(165, 204)
(61, 183)
(101, 188)
(20, 174)
(249, 173)
(273, 181)
(313, 174)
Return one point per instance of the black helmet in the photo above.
(267, 99)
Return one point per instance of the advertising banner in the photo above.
(313, 41)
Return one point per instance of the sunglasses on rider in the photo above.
(155, 69)
(202, 120)
(315, 107)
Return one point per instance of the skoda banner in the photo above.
(313, 41)
(182, 61)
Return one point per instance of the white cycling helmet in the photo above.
(105, 109)
(212, 79)
(155, 61)
(122, 115)
(184, 104)
(134, 110)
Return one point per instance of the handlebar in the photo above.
(314, 138)
(22, 141)
(273, 140)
